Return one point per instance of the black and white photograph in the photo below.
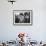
(22, 17)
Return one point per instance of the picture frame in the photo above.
(22, 17)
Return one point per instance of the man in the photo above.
(27, 17)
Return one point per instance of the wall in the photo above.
(37, 31)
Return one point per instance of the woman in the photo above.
(21, 18)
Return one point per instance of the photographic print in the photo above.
(22, 17)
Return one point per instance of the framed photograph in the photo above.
(22, 17)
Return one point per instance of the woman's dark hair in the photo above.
(21, 14)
